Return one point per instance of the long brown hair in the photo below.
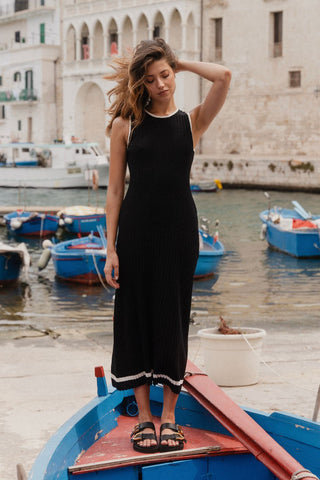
(130, 92)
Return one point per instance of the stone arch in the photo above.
(97, 48)
(113, 38)
(71, 42)
(175, 30)
(158, 26)
(127, 35)
(84, 42)
(142, 28)
(190, 34)
(90, 122)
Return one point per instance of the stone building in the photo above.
(269, 130)
(29, 70)
(94, 31)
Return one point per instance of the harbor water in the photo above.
(252, 286)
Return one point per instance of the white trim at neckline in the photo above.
(163, 116)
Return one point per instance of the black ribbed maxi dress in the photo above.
(158, 248)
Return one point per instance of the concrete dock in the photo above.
(45, 380)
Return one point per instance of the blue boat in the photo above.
(82, 220)
(31, 224)
(210, 253)
(82, 260)
(79, 260)
(12, 260)
(224, 441)
(291, 231)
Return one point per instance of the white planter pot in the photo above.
(232, 360)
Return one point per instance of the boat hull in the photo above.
(80, 261)
(39, 177)
(297, 243)
(85, 224)
(82, 438)
(210, 253)
(34, 225)
(10, 267)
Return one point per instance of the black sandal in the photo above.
(177, 436)
(138, 436)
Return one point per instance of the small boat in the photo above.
(31, 224)
(58, 165)
(206, 186)
(82, 220)
(79, 260)
(292, 231)
(210, 252)
(82, 260)
(12, 260)
(224, 441)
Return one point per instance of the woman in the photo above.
(153, 232)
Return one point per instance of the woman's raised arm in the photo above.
(203, 114)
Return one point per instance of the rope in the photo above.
(300, 474)
(272, 369)
(99, 275)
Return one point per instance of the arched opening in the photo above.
(142, 30)
(158, 26)
(127, 36)
(90, 114)
(85, 53)
(71, 44)
(113, 41)
(190, 36)
(97, 51)
(175, 31)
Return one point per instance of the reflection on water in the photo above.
(253, 284)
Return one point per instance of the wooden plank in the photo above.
(146, 459)
(241, 425)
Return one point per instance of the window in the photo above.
(0, 79)
(277, 20)
(215, 52)
(21, 5)
(42, 3)
(156, 31)
(42, 33)
(17, 37)
(19, 125)
(3, 112)
(17, 77)
(295, 78)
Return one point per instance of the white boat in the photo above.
(58, 165)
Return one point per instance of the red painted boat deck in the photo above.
(115, 449)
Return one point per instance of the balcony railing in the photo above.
(25, 95)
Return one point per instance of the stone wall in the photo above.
(265, 121)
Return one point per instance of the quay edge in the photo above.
(290, 173)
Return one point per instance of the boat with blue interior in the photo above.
(224, 440)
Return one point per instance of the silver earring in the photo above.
(148, 101)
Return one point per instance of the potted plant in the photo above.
(231, 355)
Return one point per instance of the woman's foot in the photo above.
(144, 438)
(171, 437)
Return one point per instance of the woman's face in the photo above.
(160, 81)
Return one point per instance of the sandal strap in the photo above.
(178, 435)
(142, 426)
(172, 426)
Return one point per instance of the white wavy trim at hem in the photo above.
(145, 374)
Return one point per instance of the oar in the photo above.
(102, 236)
(298, 208)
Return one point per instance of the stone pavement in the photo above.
(43, 381)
